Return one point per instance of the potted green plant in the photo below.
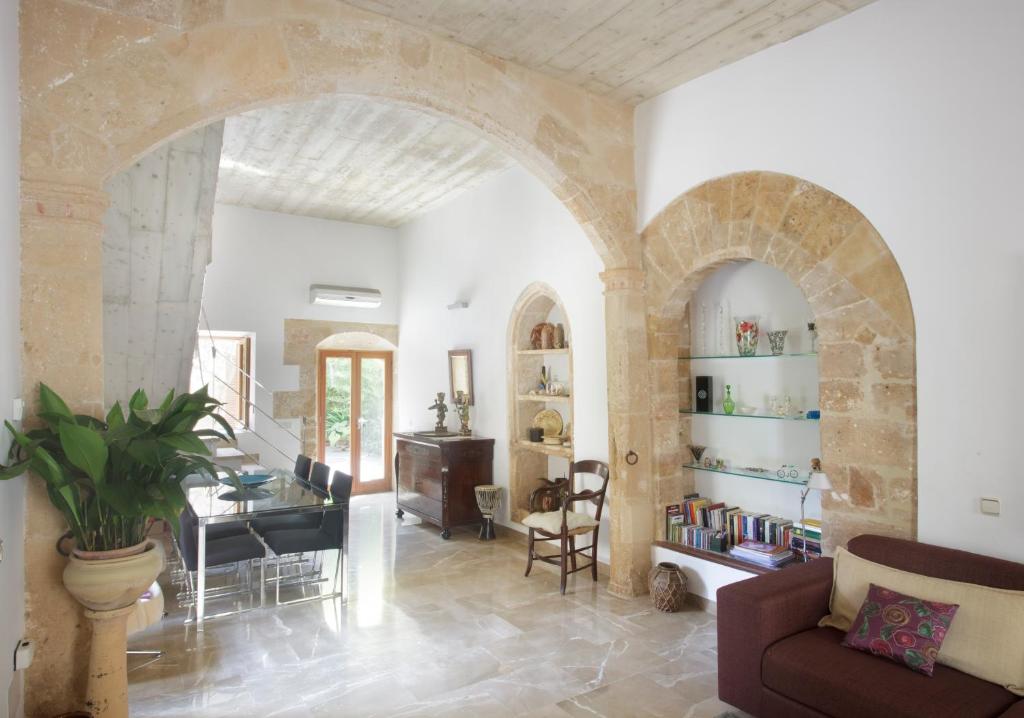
(110, 480)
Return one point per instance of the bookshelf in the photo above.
(722, 559)
(801, 480)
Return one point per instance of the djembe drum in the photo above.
(488, 498)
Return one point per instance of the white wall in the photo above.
(263, 264)
(485, 247)
(12, 493)
(755, 289)
(911, 110)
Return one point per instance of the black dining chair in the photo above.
(319, 475)
(303, 470)
(228, 549)
(332, 534)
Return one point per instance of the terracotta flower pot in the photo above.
(112, 579)
(667, 583)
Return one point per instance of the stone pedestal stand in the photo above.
(106, 694)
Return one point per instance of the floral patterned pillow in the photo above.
(901, 628)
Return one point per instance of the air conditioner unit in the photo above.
(344, 296)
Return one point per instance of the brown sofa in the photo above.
(774, 661)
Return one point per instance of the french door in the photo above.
(354, 416)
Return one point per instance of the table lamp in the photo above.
(817, 481)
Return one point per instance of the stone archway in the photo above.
(303, 338)
(100, 87)
(865, 323)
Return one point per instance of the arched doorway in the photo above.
(101, 88)
(864, 319)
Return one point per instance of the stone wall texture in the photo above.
(865, 322)
(156, 246)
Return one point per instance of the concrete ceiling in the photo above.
(630, 50)
(350, 159)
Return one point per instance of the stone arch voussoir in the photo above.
(865, 323)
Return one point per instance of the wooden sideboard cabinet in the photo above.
(435, 477)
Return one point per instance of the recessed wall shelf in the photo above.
(757, 356)
(541, 448)
(746, 416)
(530, 352)
(543, 397)
(768, 475)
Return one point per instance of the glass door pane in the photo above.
(338, 414)
(372, 414)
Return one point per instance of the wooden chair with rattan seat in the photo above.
(564, 526)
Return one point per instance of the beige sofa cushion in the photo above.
(986, 638)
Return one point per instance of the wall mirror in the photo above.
(460, 373)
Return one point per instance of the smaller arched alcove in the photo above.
(530, 460)
(766, 427)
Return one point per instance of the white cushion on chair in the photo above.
(551, 521)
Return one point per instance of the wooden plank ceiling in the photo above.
(350, 159)
(630, 50)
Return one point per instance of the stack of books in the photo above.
(763, 554)
(811, 530)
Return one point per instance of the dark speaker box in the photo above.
(704, 396)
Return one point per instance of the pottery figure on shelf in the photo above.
(559, 336)
(697, 450)
(746, 336)
(442, 410)
(728, 405)
(537, 336)
(777, 341)
(462, 409)
(547, 337)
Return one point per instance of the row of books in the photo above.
(811, 531)
(701, 523)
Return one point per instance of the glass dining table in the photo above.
(285, 494)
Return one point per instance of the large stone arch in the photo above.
(865, 322)
(101, 86)
(101, 89)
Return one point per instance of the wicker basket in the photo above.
(667, 583)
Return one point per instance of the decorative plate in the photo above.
(248, 480)
(550, 421)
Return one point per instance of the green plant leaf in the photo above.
(50, 403)
(14, 470)
(115, 417)
(139, 400)
(85, 449)
(166, 403)
(186, 442)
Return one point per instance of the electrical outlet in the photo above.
(989, 506)
(18, 410)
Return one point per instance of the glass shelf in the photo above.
(768, 475)
(756, 356)
(747, 416)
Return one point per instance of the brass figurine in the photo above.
(442, 409)
(462, 408)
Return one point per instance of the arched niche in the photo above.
(529, 461)
(866, 360)
(303, 340)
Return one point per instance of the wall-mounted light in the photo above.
(459, 305)
(328, 295)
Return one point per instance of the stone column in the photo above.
(62, 335)
(629, 429)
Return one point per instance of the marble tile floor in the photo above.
(435, 628)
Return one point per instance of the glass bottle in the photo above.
(728, 405)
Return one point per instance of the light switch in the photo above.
(989, 506)
(18, 410)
